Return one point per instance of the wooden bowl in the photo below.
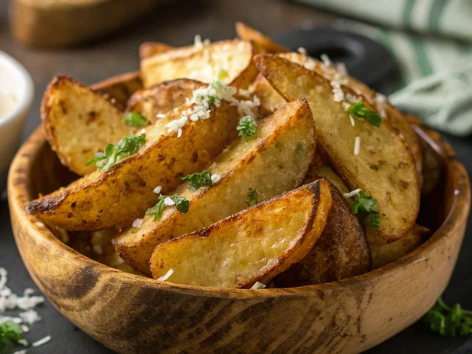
(133, 314)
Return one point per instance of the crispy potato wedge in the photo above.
(274, 162)
(384, 253)
(117, 197)
(341, 252)
(148, 49)
(394, 116)
(203, 63)
(319, 169)
(78, 122)
(253, 245)
(263, 42)
(386, 171)
(162, 98)
(270, 99)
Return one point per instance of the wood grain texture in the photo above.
(45, 23)
(132, 314)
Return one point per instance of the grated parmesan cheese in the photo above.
(30, 316)
(168, 201)
(167, 275)
(41, 341)
(302, 51)
(352, 193)
(357, 145)
(215, 178)
(137, 223)
(203, 100)
(157, 190)
(11, 301)
(353, 123)
(258, 285)
(326, 61)
(160, 115)
(380, 102)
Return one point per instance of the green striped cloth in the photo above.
(435, 81)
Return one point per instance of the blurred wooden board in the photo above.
(56, 23)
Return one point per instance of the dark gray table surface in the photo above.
(176, 24)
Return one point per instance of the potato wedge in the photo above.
(148, 49)
(78, 122)
(384, 253)
(162, 98)
(318, 169)
(117, 197)
(341, 252)
(263, 42)
(270, 99)
(274, 162)
(394, 116)
(253, 245)
(203, 63)
(385, 171)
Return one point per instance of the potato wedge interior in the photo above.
(383, 167)
(384, 253)
(273, 162)
(318, 170)
(253, 245)
(265, 43)
(203, 63)
(162, 98)
(341, 252)
(117, 197)
(78, 122)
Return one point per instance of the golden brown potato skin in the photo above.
(117, 197)
(79, 122)
(275, 161)
(162, 98)
(265, 44)
(253, 245)
(386, 172)
(384, 253)
(203, 64)
(341, 252)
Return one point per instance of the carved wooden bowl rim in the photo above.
(20, 194)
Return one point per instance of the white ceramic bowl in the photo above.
(16, 82)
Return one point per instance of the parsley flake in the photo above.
(198, 180)
(115, 153)
(252, 197)
(448, 321)
(359, 111)
(9, 332)
(223, 74)
(366, 207)
(179, 202)
(134, 119)
(247, 127)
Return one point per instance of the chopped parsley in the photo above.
(134, 119)
(448, 321)
(9, 332)
(366, 207)
(247, 127)
(359, 111)
(252, 197)
(223, 74)
(174, 200)
(115, 153)
(198, 180)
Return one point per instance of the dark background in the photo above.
(177, 23)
